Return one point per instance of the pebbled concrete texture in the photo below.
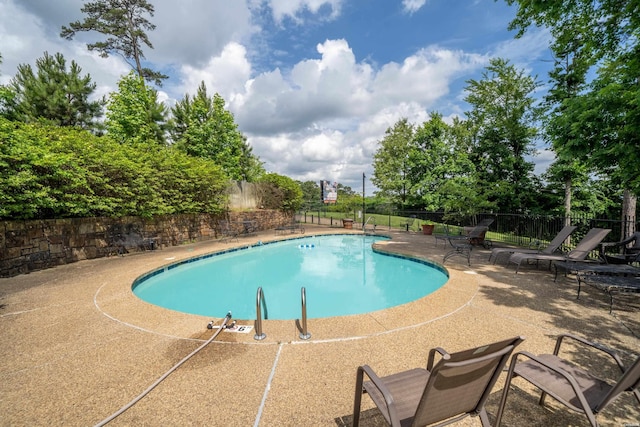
(77, 345)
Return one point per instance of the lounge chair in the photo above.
(462, 245)
(443, 236)
(551, 248)
(457, 386)
(595, 268)
(476, 235)
(477, 230)
(408, 222)
(485, 222)
(573, 386)
(588, 243)
(612, 285)
(293, 227)
(226, 232)
(628, 253)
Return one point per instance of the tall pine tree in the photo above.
(124, 24)
(55, 94)
(202, 127)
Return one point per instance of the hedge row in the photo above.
(53, 172)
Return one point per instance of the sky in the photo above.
(312, 84)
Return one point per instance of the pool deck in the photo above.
(77, 345)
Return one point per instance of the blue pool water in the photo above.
(342, 275)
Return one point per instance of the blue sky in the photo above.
(313, 84)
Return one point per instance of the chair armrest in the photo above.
(432, 354)
(593, 345)
(623, 243)
(610, 244)
(382, 388)
(535, 244)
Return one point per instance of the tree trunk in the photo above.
(628, 214)
(567, 205)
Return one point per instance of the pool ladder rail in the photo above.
(373, 224)
(304, 334)
(301, 325)
(258, 323)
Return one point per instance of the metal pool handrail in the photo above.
(304, 334)
(373, 220)
(258, 324)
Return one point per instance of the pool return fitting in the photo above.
(113, 416)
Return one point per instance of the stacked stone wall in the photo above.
(27, 246)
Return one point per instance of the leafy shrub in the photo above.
(54, 172)
(280, 192)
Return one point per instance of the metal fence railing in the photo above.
(516, 229)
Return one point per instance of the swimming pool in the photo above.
(341, 274)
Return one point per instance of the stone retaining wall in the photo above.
(27, 246)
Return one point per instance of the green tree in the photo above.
(458, 191)
(7, 101)
(503, 116)
(280, 192)
(310, 194)
(8, 98)
(587, 198)
(134, 115)
(567, 80)
(592, 30)
(605, 118)
(202, 127)
(427, 160)
(391, 166)
(55, 94)
(439, 161)
(605, 122)
(250, 167)
(124, 23)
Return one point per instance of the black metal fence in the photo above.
(516, 229)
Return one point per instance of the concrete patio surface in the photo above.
(77, 345)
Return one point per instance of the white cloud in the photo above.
(25, 37)
(336, 87)
(225, 74)
(189, 32)
(324, 147)
(424, 77)
(532, 45)
(323, 118)
(292, 9)
(318, 118)
(412, 6)
(542, 159)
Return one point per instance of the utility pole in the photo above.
(363, 204)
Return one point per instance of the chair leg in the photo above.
(543, 396)
(579, 286)
(505, 391)
(357, 400)
(484, 418)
